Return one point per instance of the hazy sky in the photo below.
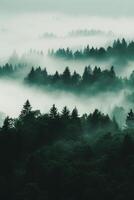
(91, 7)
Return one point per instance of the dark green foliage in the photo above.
(117, 50)
(66, 76)
(26, 110)
(8, 70)
(65, 156)
(130, 120)
(92, 81)
(7, 124)
(54, 112)
(127, 146)
(65, 114)
(74, 114)
(97, 121)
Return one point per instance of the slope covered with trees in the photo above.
(120, 49)
(66, 156)
(9, 70)
(92, 81)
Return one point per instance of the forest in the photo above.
(66, 100)
(92, 81)
(60, 155)
(118, 49)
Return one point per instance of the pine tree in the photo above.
(124, 44)
(66, 77)
(45, 74)
(54, 112)
(86, 77)
(56, 77)
(26, 109)
(112, 72)
(75, 78)
(7, 124)
(86, 51)
(31, 75)
(75, 114)
(65, 114)
(130, 120)
(96, 72)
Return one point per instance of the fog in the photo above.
(66, 99)
(14, 95)
(23, 31)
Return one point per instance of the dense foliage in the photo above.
(119, 49)
(9, 70)
(62, 155)
(91, 82)
(65, 156)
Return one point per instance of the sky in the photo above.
(111, 8)
(23, 22)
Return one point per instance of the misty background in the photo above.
(43, 25)
(90, 7)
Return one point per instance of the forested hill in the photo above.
(65, 156)
(92, 81)
(119, 49)
(10, 71)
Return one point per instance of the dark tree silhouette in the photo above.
(56, 155)
(130, 120)
(26, 109)
(74, 114)
(92, 81)
(7, 124)
(54, 112)
(120, 49)
(65, 114)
